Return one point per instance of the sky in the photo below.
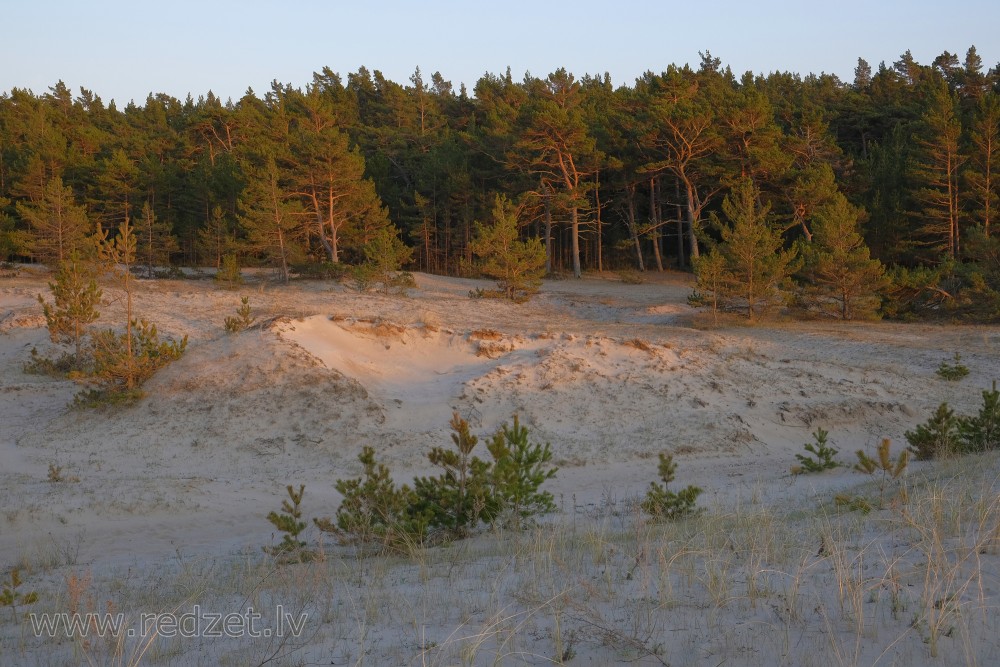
(126, 50)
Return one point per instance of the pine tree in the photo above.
(519, 469)
(76, 296)
(456, 498)
(983, 173)
(664, 504)
(754, 263)
(158, 242)
(385, 255)
(937, 437)
(270, 215)
(557, 148)
(516, 265)
(124, 361)
(936, 176)
(375, 509)
(289, 522)
(58, 225)
(839, 265)
(982, 432)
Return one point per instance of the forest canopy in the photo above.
(904, 159)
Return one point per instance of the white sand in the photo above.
(610, 374)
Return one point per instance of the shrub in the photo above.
(75, 297)
(952, 372)
(937, 437)
(519, 469)
(375, 510)
(889, 469)
(384, 254)
(982, 432)
(59, 367)
(11, 597)
(468, 491)
(454, 500)
(229, 273)
(124, 361)
(244, 317)
(824, 454)
(320, 270)
(289, 522)
(516, 265)
(663, 504)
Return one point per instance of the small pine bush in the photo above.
(663, 504)
(982, 432)
(519, 469)
(75, 299)
(229, 273)
(952, 372)
(122, 363)
(889, 469)
(289, 522)
(467, 492)
(244, 317)
(375, 510)
(455, 500)
(937, 437)
(823, 453)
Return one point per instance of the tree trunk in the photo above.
(693, 212)
(654, 217)
(548, 236)
(680, 224)
(632, 229)
(575, 243)
(600, 245)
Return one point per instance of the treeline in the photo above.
(608, 178)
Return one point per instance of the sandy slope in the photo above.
(608, 373)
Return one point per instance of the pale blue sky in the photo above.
(124, 50)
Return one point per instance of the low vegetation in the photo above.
(468, 492)
(819, 455)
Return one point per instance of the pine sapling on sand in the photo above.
(291, 524)
(889, 469)
(123, 361)
(937, 437)
(663, 504)
(229, 274)
(952, 372)
(982, 432)
(516, 265)
(455, 499)
(244, 317)
(823, 453)
(75, 298)
(375, 510)
(519, 469)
